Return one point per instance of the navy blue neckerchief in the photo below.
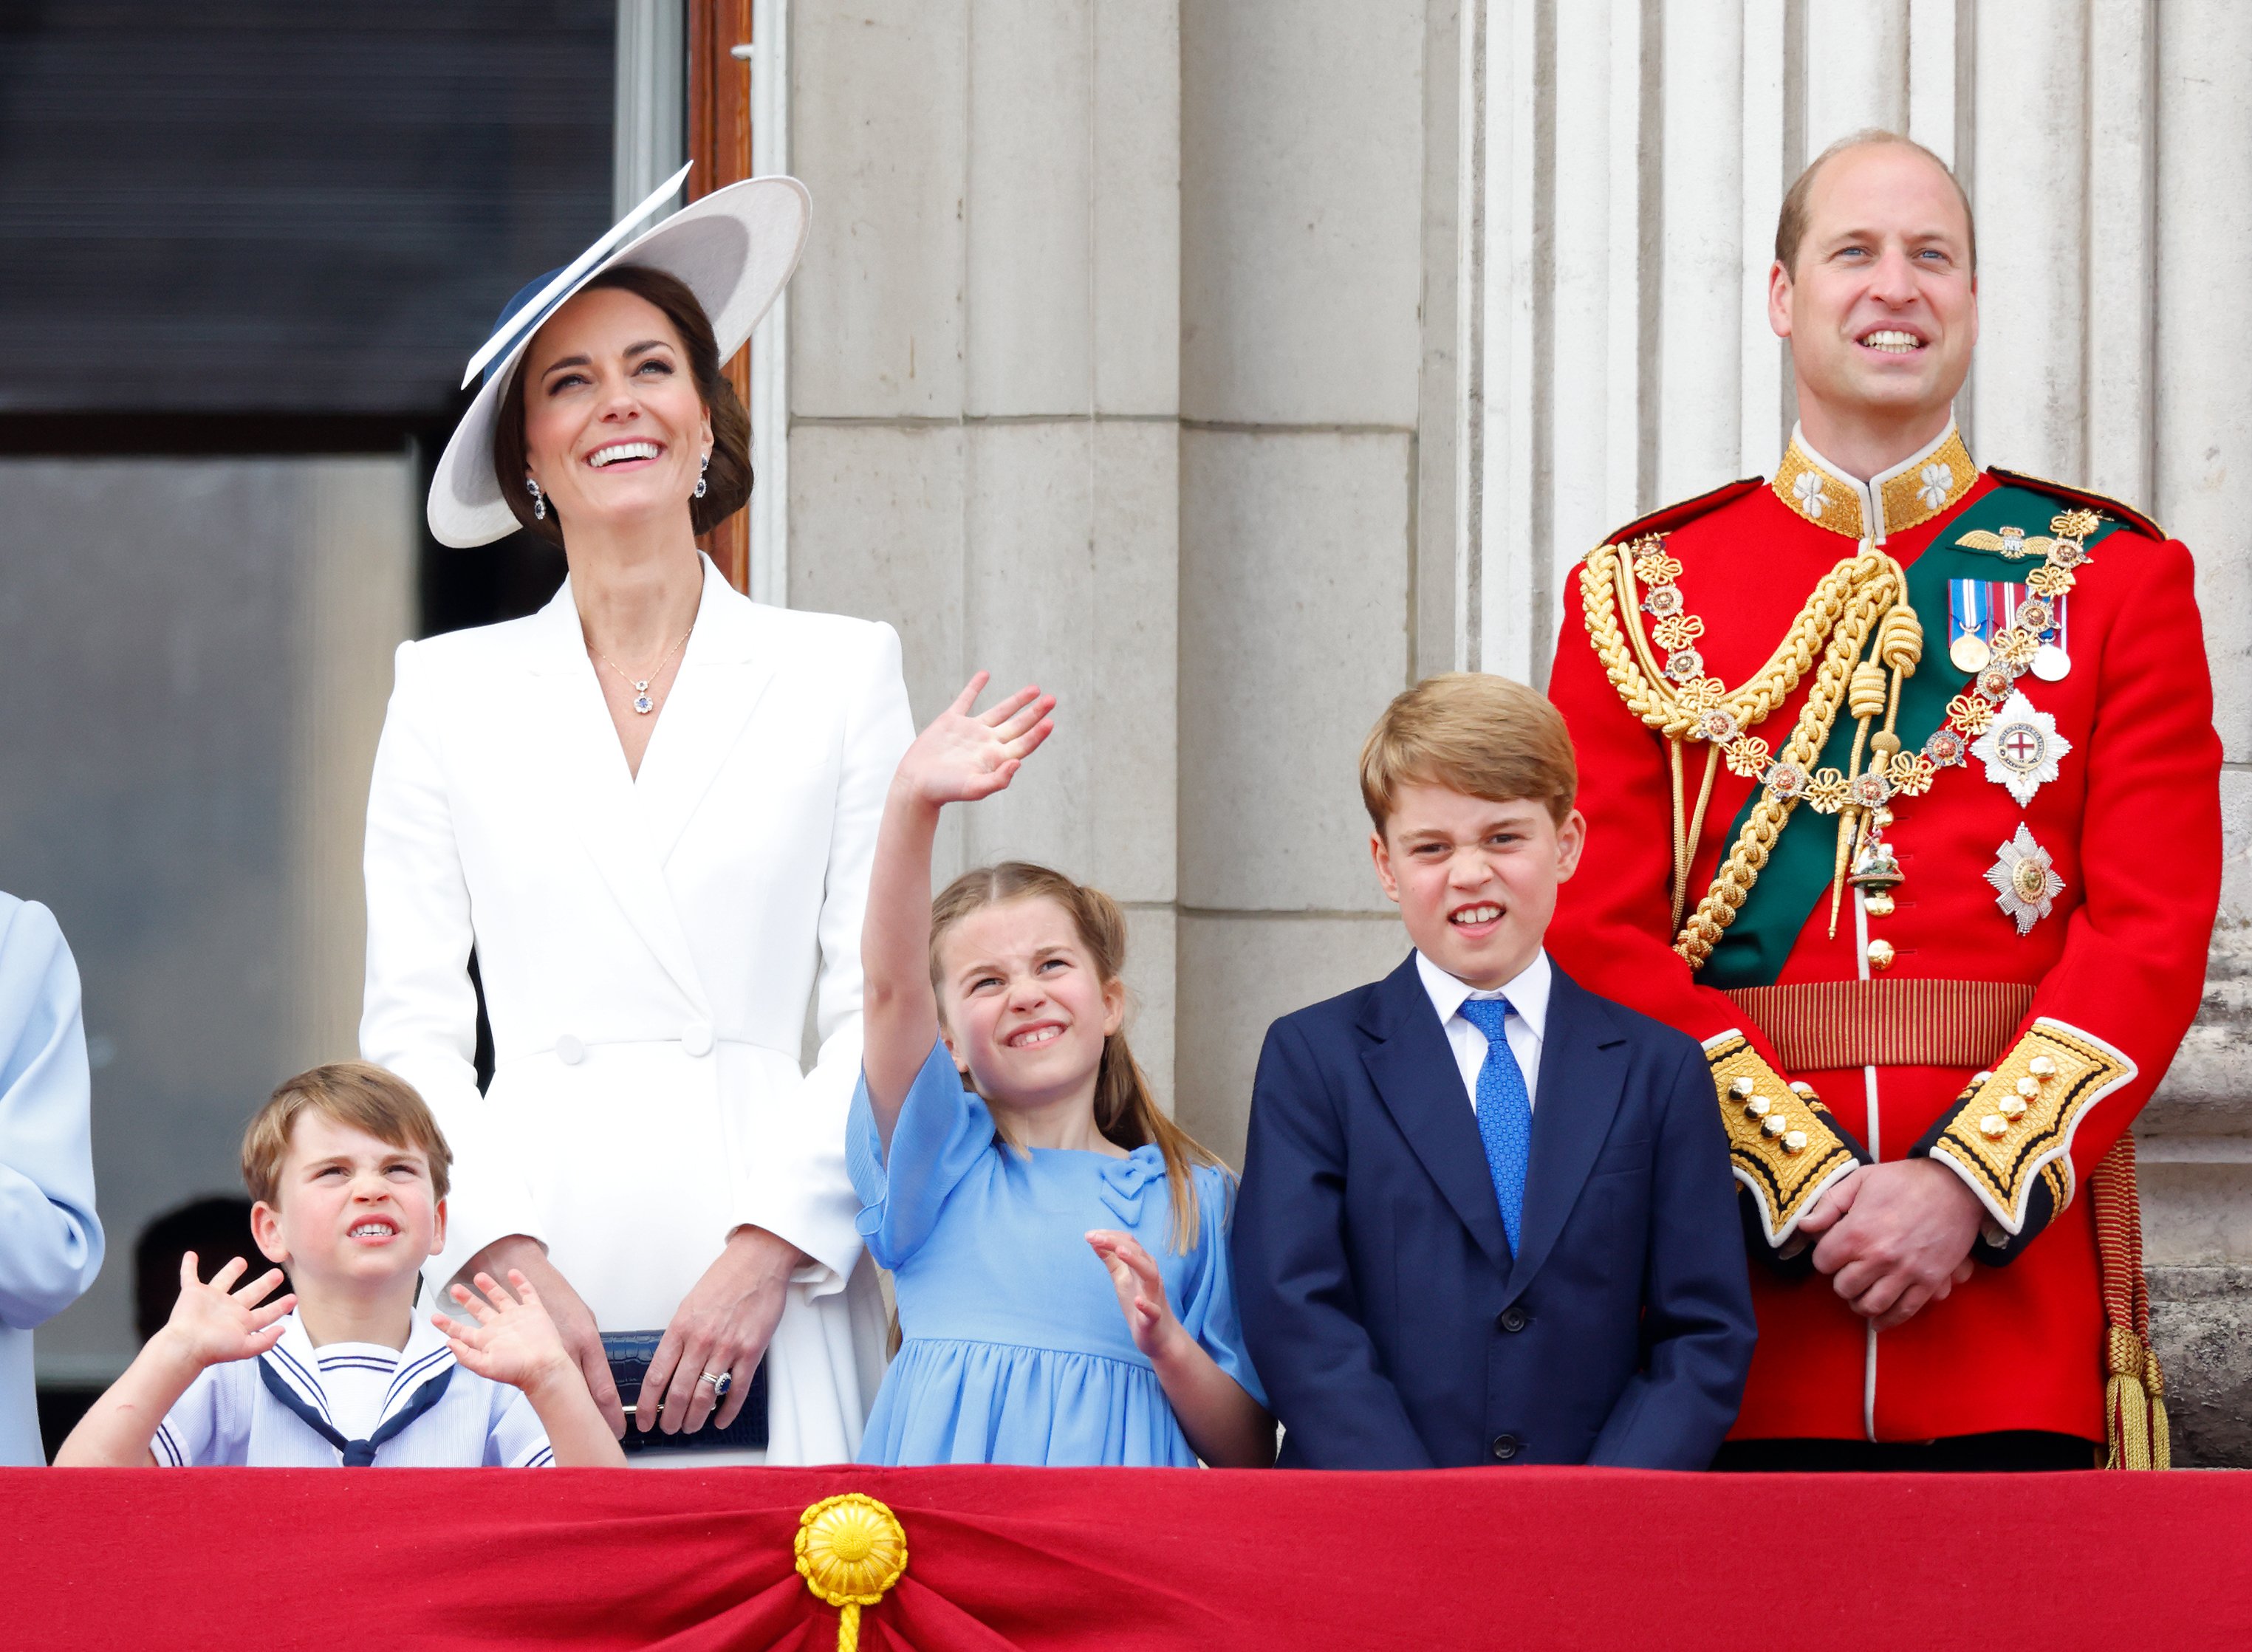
(357, 1454)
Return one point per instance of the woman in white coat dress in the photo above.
(649, 808)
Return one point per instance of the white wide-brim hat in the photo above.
(734, 248)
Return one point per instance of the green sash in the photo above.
(1751, 951)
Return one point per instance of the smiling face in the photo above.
(1882, 307)
(1475, 880)
(615, 431)
(352, 1214)
(1024, 1009)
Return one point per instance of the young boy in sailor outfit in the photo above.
(349, 1171)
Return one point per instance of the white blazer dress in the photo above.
(649, 948)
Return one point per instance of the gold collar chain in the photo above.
(1864, 594)
(1862, 600)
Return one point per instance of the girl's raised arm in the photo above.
(962, 756)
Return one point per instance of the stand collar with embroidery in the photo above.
(1912, 492)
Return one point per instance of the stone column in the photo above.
(1306, 182)
(983, 392)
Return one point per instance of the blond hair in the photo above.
(1790, 222)
(357, 1093)
(1472, 732)
(1126, 1110)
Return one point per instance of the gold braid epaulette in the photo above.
(1852, 598)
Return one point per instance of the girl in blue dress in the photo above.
(1058, 1245)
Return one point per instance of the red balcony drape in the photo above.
(701, 1560)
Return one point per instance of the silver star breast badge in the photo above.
(2021, 749)
(2026, 885)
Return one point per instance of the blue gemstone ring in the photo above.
(721, 1381)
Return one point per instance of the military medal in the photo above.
(2020, 749)
(1982, 612)
(1968, 623)
(2026, 885)
(2052, 659)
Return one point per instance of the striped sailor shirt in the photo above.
(228, 1417)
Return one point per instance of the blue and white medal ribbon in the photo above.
(1970, 622)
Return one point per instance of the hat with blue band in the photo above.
(734, 248)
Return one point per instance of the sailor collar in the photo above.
(295, 1360)
(1892, 501)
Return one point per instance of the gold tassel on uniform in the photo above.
(1865, 700)
(1875, 691)
(2135, 1389)
(2126, 1402)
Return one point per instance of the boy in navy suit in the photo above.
(1486, 1216)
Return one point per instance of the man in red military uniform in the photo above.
(1937, 748)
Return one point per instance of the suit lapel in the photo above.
(595, 790)
(1582, 1073)
(722, 677)
(1414, 1073)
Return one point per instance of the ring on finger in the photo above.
(721, 1381)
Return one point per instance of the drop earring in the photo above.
(538, 499)
(702, 486)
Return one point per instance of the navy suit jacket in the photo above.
(1381, 1306)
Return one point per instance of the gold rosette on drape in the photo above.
(851, 1550)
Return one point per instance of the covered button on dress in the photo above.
(1014, 1348)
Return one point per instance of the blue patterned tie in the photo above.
(1504, 1111)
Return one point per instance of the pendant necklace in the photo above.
(642, 702)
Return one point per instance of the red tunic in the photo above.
(2132, 823)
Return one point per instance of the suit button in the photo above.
(1506, 1446)
(696, 1037)
(569, 1051)
(1512, 1318)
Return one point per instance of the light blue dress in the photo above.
(1015, 1349)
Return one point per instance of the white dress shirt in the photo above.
(1528, 997)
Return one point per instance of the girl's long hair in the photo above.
(1125, 1111)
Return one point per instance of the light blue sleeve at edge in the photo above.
(944, 1131)
(1208, 1312)
(50, 1240)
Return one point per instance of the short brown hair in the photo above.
(354, 1093)
(728, 483)
(1475, 734)
(1790, 223)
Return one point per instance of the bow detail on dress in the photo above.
(1124, 1179)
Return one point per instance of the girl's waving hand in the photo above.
(965, 754)
(1141, 1290)
(1228, 1429)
